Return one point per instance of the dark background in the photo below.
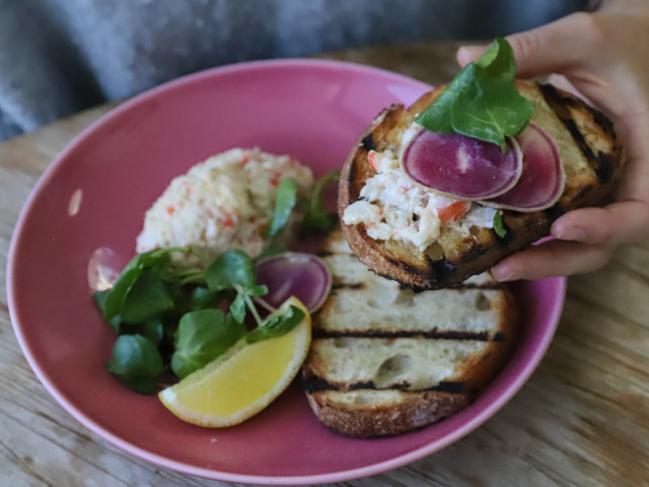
(60, 56)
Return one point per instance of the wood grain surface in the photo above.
(583, 418)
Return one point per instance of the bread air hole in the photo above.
(391, 369)
(482, 303)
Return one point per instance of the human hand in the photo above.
(603, 57)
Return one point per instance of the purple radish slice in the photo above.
(461, 166)
(297, 274)
(543, 179)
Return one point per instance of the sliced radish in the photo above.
(543, 179)
(297, 274)
(461, 166)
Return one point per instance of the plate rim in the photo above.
(166, 462)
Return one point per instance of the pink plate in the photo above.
(94, 195)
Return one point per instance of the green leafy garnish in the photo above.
(116, 324)
(238, 308)
(201, 337)
(230, 269)
(153, 330)
(136, 362)
(285, 200)
(100, 301)
(276, 325)
(147, 297)
(482, 100)
(246, 295)
(235, 269)
(316, 216)
(115, 297)
(111, 302)
(202, 298)
(257, 290)
(498, 224)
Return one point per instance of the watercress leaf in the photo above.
(238, 308)
(437, 116)
(193, 277)
(147, 298)
(114, 301)
(276, 325)
(285, 200)
(230, 269)
(100, 299)
(181, 298)
(482, 100)
(115, 297)
(201, 337)
(498, 60)
(117, 324)
(153, 330)
(484, 116)
(257, 291)
(202, 298)
(181, 275)
(490, 57)
(316, 216)
(499, 225)
(153, 258)
(136, 363)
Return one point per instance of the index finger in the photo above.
(551, 48)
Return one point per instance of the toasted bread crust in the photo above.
(421, 409)
(591, 132)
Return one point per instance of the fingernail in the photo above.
(570, 233)
(503, 274)
(466, 54)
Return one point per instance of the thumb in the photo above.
(551, 48)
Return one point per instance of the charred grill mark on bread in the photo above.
(499, 337)
(428, 334)
(411, 269)
(463, 286)
(318, 384)
(554, 212)
(353, 285)
(367, 143)
(602, 163)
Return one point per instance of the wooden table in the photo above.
(583, 418)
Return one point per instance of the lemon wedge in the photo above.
(242, 381)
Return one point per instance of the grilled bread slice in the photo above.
(589, 151)
(386, 360)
